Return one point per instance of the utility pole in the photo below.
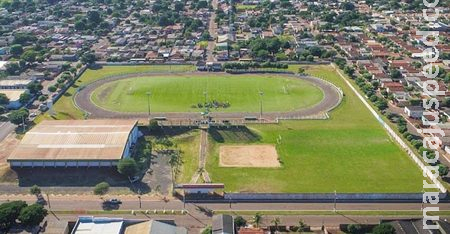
(23, 124)
(48, 201)
(261, 94)
(148, 105)
(205, 93)
(423, 191)
(335, 200)
(139, 197)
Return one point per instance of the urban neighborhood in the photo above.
(224, 116)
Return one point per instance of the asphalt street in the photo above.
(91, 202)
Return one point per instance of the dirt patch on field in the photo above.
(249, 156)
(103, 95)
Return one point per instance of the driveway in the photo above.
(5, 129)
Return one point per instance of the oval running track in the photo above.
(332, 98)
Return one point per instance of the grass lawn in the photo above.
(189, 146)
(187, 141)
(64, 108)
(348, 153)
(241, 7)
(182, 93)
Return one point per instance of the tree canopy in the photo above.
(32, 215)
(4, 100)
(9, 212)
(101, 188)
(127, 167)
(17, 116)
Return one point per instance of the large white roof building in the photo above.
(76, 143)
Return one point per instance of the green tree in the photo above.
(443, 169)
(302, 227)
(446, 102)
(395, 74)
(18, 116)
(262, 54)
(153, 125)
(349, 71)
(179, 6)
(52, 88)
(381, 104)
(127, 167)
(257, 219)
(32, 215)
(384, 228)
(12, 68)
(25, 97)
(239, 221)
(35, 190)
(354, 228)
(43, 98)
(9, 212)
(16, 50)
(276, 221)
(80, 25)
(88, 58)
(94, 17)
(29, 56)
(34, 87)
(348, 6)
(101, 188)
(4, 100)
(207, 230)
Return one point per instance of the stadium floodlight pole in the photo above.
(148, 104)
(261, 94)
(206, 98)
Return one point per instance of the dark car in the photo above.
(114, 201)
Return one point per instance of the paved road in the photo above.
(331, 99)
(213, 33)
(197, 219)
(90, 202)
(5, 129)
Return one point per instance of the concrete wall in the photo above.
(326, 196)
(132, 139)
(63, 163)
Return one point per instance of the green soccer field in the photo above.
(187, 93)
(349, 153)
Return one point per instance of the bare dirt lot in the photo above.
(249, 156)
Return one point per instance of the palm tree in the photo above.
(276, 221)
(257, 219)
(301, 226)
